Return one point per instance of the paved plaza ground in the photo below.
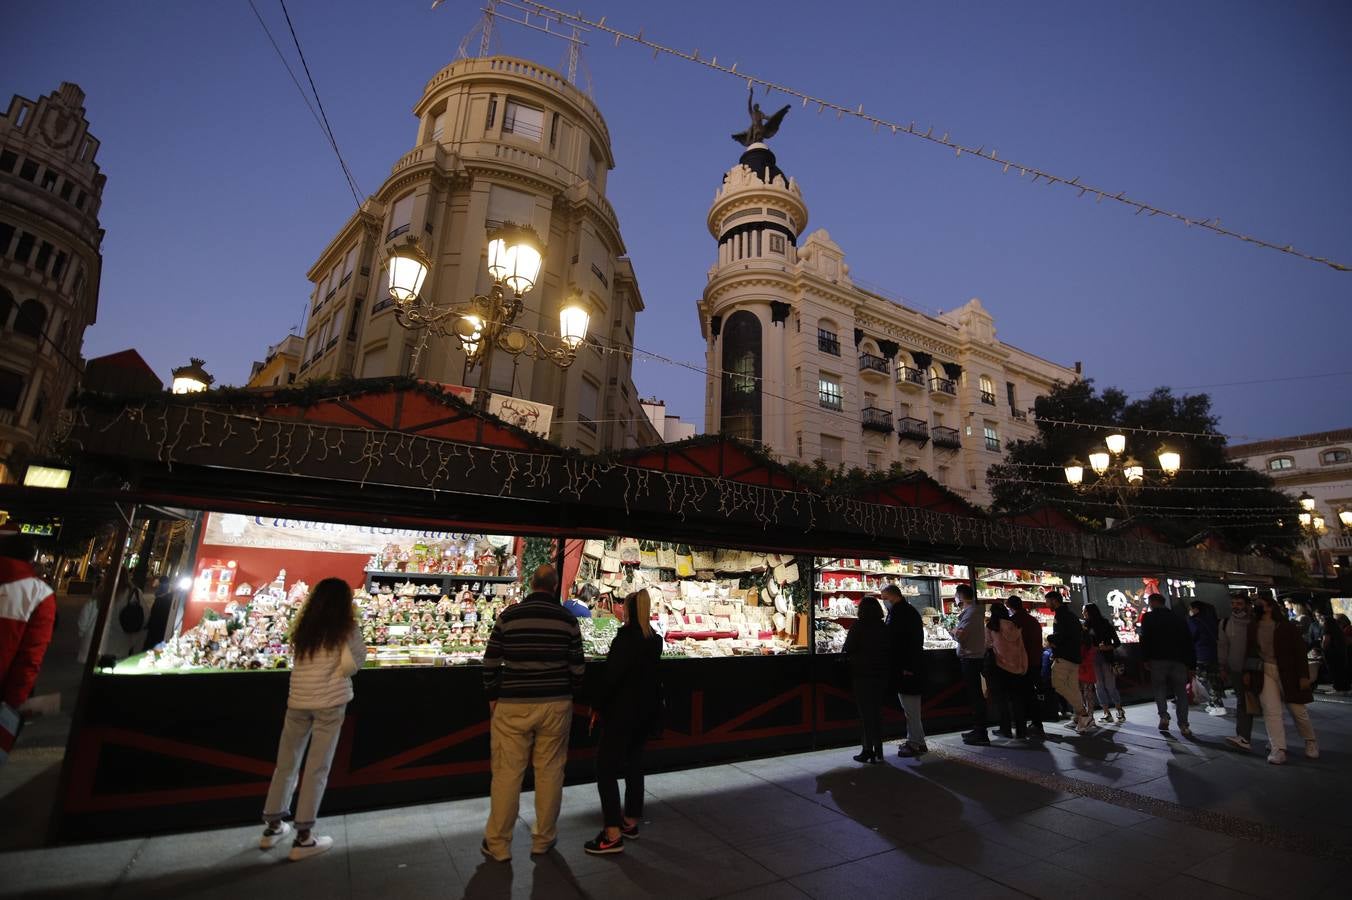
(1123, 813)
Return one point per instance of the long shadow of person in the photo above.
(897, 803)
(490, 880)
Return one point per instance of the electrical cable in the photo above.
(1209, 223)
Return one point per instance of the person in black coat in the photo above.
(906, 665)
(866, 652)
(1168, 654)
(627, 708)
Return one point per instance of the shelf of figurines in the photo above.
(830, 633)
(906, 568)
(490, 579)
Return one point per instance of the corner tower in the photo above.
(757, 217)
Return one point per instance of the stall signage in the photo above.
(271, 532)
(524, 414)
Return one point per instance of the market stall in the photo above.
(728, 538)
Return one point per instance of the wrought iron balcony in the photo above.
(909, 376)
(988, 398)
(828, 343)
(829, 400)
(875, 419)
(944, 386)
(947, 437)
(909, 429)
(870, 363)
(1018, 414)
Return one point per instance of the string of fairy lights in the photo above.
(985, 152)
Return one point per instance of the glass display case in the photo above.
(842, 582)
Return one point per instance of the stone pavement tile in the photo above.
(1185, 887)
(386, 852)
(1025, 839)
(1101, 859)
(1045, 879)
(1120, 816)
(910, 872)
(777, 890)
(971, 851)
(1065, 823)
(1266, 871)
(1189, 837)
(642, 872)
(522, 878)
(72, 867)
(432, 879)
(802, 850)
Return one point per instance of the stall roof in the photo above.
(1047, 516)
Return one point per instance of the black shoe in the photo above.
(865, 757)
(602, 845)
(977, 738)
(1004, 733)
(906, 751)
(629, 832)
(878, 756)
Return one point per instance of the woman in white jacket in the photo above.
(327, 650)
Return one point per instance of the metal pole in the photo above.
(81, 711)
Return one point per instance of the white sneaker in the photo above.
(271, 838)
(1084, 725)
(316, 846)
(1311, 749)
(1239, 743)
(1277, 757)
(1215, 711)
(1107, 719)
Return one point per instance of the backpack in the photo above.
(132, 615)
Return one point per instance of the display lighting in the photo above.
(485, 323)
(46, 477)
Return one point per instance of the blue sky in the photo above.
(222, 190)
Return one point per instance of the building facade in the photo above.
(813, 366)
(1320, 465)
(498, 140)
(281, 366)
(669, 427)
(50, 262)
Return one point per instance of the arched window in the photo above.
(741, 412)
(1335, 456)
(828, 337)
(31, 319)
(1279, 463)
(6, 307)
(987, 390)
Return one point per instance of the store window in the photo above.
(833, 450)
(828, 392)
(992, 435)
(401, 216)
(526, 121)
(741, 387)
(1332, 457)
(929, 587)
(1280, 463)
(11, 389)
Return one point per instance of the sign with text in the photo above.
(273, 533)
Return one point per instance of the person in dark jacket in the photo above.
(1334, 645)
(627, 709)
(158, 623)
(1167, 652)
(1032, 645)
(1204, 626)
(1066, 638)
(1103, 637)
(1278, 646)
(866, 652)
(906, 665)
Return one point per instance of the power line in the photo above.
(1198, 387)
(1209, 223)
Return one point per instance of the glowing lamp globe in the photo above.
(1170, 461)
(1306, 501)
(1075, 473)
(514, 257)
(191, 378)
(1098, 461)
(1345, 516)
(408, 270)
(573, 321)
(1133, 471)
(1116, 443)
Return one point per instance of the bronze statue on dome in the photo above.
(762, 128)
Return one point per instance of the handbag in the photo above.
(628, 550)
(594, 548)
(685, 565)
(666, 556)
(610, 562)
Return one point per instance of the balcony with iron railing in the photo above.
(828, 343)
(1018, 414)
(910, 377)
(875, 419)
(988, 398)
(829, 400)
(873, 365)
(946, 437)
(944, 387)
(909, 429)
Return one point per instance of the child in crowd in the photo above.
(1087, 677)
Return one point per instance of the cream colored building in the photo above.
(669, 427)
(281, 365)
(50, 262)
(498, 140)
(1319, 464)
(815, 366)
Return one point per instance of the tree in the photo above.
(1241, 504)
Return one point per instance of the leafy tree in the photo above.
(1241, 504)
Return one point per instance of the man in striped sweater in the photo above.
(532, 669)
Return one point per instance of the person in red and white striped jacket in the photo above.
(27, 614)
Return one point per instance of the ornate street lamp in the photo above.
(192, 378)
(486, 323)
(1314, 527)
(1170, 461)
(1116, 474)
(1345, 516)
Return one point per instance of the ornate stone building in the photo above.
(498, 140)
(815, 366)
(50, 261)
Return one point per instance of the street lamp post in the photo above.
(192, 378)
(1314, 526)
(1116, 474)
(486, 323)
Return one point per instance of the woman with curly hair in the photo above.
(327, 650)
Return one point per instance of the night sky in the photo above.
(222, 190)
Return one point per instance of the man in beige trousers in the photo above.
(532, 669)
